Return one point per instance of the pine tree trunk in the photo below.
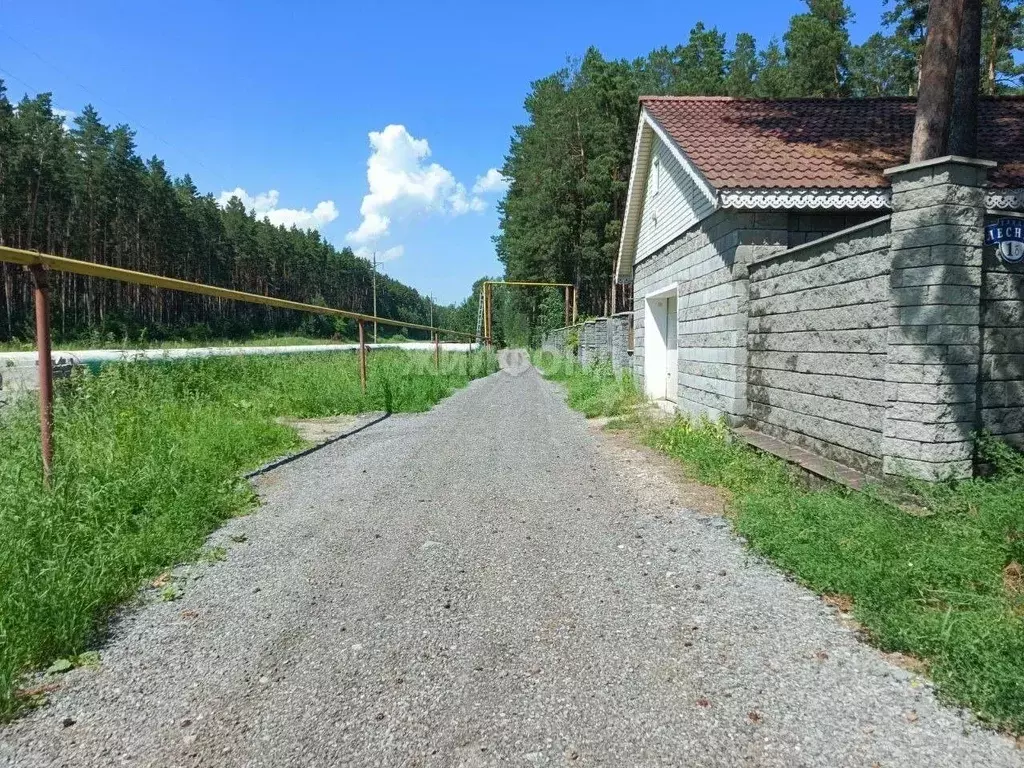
(990, 79)
(8, 289)
(963, 132)
(33, 205)
(938, 77)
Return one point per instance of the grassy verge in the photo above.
(943, 585)
(595, 390)
(148, 457)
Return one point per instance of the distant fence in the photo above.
(562, 341)
(603, 339)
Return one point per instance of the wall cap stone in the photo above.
(944, 160)
(841, 234)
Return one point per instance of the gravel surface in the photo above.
(489, 583)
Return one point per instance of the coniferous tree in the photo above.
(881, 66)
(773, 81)
(569, 162)
(742, 67)
(702, 68)
(908, 20)
(1002, 34)
(817, 44)
(82, 191)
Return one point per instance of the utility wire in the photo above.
(95, 96)
(15, 77)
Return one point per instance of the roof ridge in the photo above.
(825, 99)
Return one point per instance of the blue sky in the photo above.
(267, 96)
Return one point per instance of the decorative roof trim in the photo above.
(863, 199)
(1005, 199)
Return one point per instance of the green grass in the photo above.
(929, 584)
(595, 390)
(940, 582)
(148, 459)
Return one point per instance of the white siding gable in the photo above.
(673, 201)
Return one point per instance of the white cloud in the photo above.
(387, 254)
(492, 181)
(402, 184)
(67, 115)
(264, 205)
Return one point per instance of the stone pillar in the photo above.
(934, 339)
(600, 339)
(619, 334)
(586, 342)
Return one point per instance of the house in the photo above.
(792, 275)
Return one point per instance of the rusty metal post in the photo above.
(437, 351)
(42, 301)
(490, 314)
(362, 356)
(487, 313)
(575, 301)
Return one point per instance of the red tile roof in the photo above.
(821, 143)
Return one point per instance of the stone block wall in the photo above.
(934, 339)
(619, 333)
(817, 336)
(587, 350)
(609, 342)
(708, 265)
(558, 341)
(601, 341)
(1002, 346)
(885, 346)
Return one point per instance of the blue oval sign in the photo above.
(1007, 235)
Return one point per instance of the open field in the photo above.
(940, 581)
(148, 458)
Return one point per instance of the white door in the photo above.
(661, 360)
(671, 350)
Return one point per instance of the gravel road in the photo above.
(491, 583)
